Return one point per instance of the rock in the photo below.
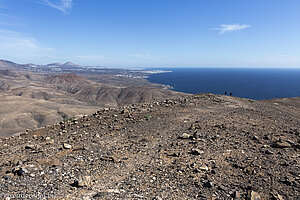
(19, 171)
(29, 146)
(269, 152)
(222, 187)
(125, 111)
(197, 135)
(266, 137)
(85, 181)
(86, 125)
(255, 138)
(277, 197)
(286, 180)
(82, 181)
(67, 146)
(236, 195)
(297, 146)
(197, 152)
(116, 191)
(290, 142)
(208, 184)
(254, 196)
(49, 140)
(204, 168)
(24, 170)
(175, 154)
(16, 162)
(281, 144)
(185, 136)
(108, 191)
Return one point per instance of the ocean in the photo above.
(252, 83)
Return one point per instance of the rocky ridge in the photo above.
(196, 147)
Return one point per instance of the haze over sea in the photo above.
(253, 83)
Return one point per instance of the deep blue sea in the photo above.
(248, 83)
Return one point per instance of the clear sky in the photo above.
(152, 33)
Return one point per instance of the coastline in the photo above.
(257, 84)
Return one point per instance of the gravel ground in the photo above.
(199, 147)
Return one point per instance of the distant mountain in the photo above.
(66, 65)
(13, 64)
(70, 64)
(5, 64)
(54, 64)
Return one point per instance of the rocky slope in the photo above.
(196, 147)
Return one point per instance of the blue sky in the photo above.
(152, 33)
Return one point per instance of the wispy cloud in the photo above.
(9, 20)
(231, 27)
(16, 45)
(62, 5)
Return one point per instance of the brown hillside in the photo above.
(29, 96)
(65, 78)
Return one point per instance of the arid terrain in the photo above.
(194, 147)
(33, 96)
